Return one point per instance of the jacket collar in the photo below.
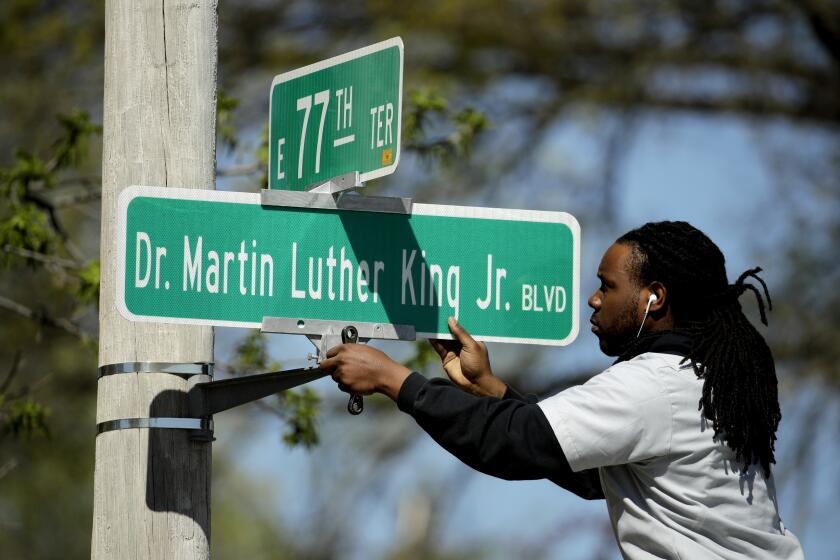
(665, 342)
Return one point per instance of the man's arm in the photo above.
(587, 483)
(507, 438)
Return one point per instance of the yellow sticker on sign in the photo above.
(387, 156)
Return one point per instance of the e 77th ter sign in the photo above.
(335, 117)
(221, 258)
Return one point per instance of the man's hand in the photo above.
(360, 369)
(467, 364)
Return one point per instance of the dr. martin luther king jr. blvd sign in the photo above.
(222, 258)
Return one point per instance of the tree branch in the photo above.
(41, 257)
(823, 18)
(618, 146)
(43, 319)
(62, 201)
(49, 208)
(265, 407)
(12, 371)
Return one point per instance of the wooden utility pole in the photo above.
(152, 486)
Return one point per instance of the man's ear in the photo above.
(658, 289)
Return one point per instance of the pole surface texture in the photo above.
(152, 486)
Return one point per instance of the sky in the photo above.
(711, 172)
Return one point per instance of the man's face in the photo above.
(616, 313)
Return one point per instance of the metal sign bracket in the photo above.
(336, 185)
(337, 194)
(206, 398)
(210, 397)
(326, 334)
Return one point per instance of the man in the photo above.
(678, 435)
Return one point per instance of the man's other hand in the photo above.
(467, 364)
(360, 369)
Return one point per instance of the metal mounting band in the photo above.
(205, 424)
(182, 370)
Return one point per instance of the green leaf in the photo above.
(26, 418)
(72, 147)
(427, 110)
(88, 289)
(27, 169)
(25, 227)
(252, 354)
(421, 103)
(301, 408)
(470, 123)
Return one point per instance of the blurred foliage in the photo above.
(225, 130)
(243, 523)
(421, 103)
(24, 417)
(24, 226)
(301, 412)
(805, 323)
(252, 354)
(46, 483)
(51, 52)
(427, 110)
(424, 355)
(87, 292)
(20, 417)
(48, 293)
(774, 57)
(31, 232)
(71, 149)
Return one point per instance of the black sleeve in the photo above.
(511, 393)
(507, 438)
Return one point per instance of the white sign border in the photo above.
(135, 191)
(323, 64)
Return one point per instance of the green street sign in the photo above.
(221, 258)
(335, 117)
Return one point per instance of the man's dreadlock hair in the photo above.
(740, 395)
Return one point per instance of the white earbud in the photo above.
(652, 298)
